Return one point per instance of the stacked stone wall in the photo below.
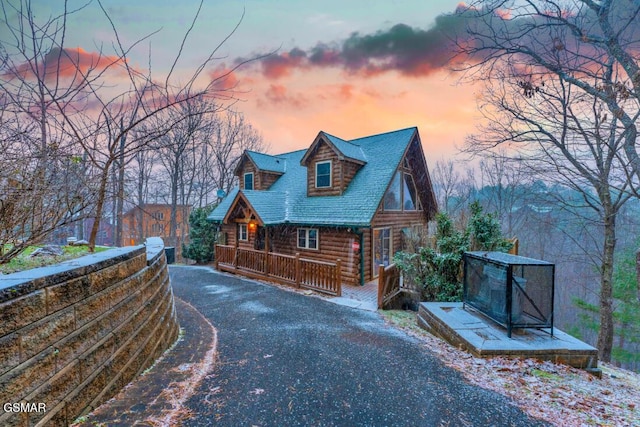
(74, 334)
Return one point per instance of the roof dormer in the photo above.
(331, 164)
(258, 171)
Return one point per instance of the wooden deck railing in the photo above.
(321, 276)
(287, 269)
(251, 260)
(388, 284)
(225, 255)
(282, 267)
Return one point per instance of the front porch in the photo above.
(292, 270)
(304, 273)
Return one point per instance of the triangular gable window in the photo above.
(409, 193)
(401, 194)
(393, 197)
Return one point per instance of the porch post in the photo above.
(339, 276)
(298, 272)
(380, 285)
(236, 249)
(266, 251)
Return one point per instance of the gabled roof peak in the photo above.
(266, 162)
(358, 141)
(287, 201)
(344, 149)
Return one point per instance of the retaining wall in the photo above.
(72, 335)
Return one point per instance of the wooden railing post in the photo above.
(380, 285)
(266, 263)
(216, 257)
(514, 249)
(339, 276)
(235, 257)
(298, 271)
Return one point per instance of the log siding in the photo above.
(323, 153)
(276, 243)
(342, 172)
(333, 244)
(262, 180)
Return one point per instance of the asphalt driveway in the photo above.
(286, 359)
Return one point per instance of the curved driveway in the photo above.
(287, 359)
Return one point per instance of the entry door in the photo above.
(381, 248)
(260, 238)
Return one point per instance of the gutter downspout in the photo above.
(360, 235)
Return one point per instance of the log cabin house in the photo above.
(339, 209)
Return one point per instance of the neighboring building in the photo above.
(155, 223)
(81, 229)
(348, 200)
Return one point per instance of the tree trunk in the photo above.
(140, 210)
(638, 272)
(119, 240)
(102, 191)
(605, 334)
(173, 222)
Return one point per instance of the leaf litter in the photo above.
(559, 394)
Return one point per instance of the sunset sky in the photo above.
(322, 76)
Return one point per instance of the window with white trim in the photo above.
(308, 238)
(248, 181)
(242, 232)
(323, 174)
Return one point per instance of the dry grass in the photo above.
(25, 262)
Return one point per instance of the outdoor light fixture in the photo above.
(252, 226)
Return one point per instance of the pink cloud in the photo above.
(277, 66)
(224, 78)
(67, 63)
(278, 94)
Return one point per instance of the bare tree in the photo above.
(197, 156)
(36, 198)
(41, 176)
(557, 97)
(178, 148)
(446, 179)
(505, 181)
(86, 102)
(233, 136)
(455, 191)
(142, 164)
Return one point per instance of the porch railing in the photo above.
(286, 269)
(388, 284)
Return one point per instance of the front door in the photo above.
(381, 248)
(260, 239)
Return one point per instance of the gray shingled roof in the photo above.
(266, 162)
(350, 150)
(286, 200)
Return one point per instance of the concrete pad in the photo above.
(468, 329)
(348, 302)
